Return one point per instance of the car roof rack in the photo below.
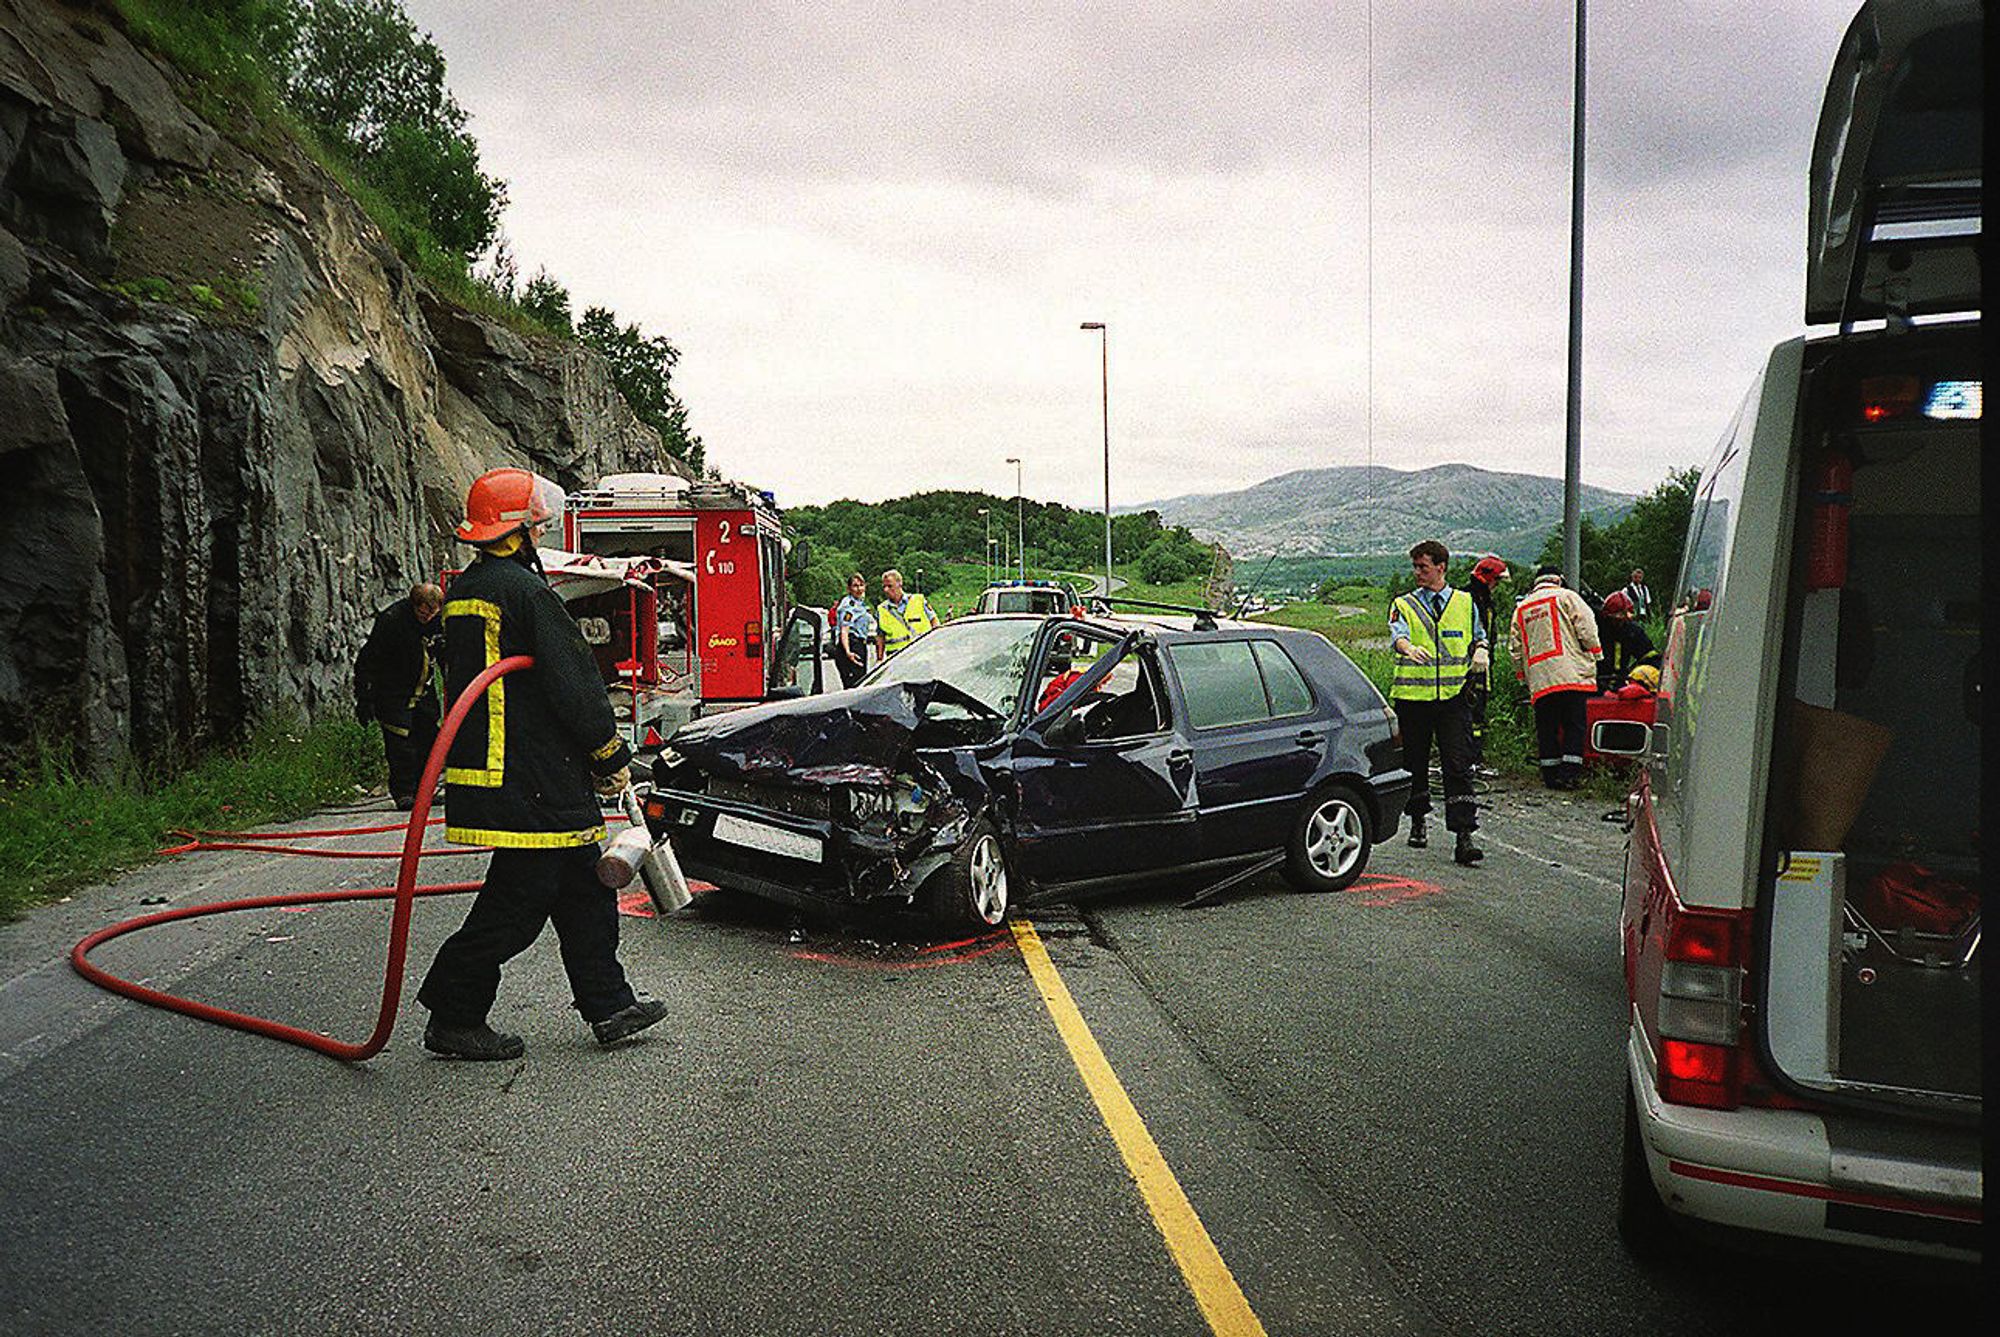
(1204, 618)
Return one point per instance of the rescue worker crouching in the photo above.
(524, 774)
(393, 686)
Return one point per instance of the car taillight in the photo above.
(1888, 397)
(1701, 1009)
(753, 640)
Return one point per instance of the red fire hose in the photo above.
(405, 892)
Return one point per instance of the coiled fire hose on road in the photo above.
(405, 891)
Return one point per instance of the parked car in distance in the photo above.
(1027, 596)
(1011, 759)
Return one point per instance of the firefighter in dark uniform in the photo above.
(394, 687)
(524, 774)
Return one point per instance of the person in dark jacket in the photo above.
(525, 774)
(394, 687)
(1626, 644)
(1487, 572)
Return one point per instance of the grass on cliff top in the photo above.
(229, 87)
(59, 831)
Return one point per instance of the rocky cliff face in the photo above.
(232, 423)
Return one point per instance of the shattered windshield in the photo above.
(986, 660)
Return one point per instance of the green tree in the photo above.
(642, 368)
(1650, 536)
(354, 68)
(432, 175)
(1163, 563)
(546, 302)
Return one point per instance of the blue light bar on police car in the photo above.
(1953, 400)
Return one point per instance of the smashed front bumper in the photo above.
(799, 859)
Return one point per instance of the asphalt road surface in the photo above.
(1392, 1110)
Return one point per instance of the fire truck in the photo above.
(679, 588)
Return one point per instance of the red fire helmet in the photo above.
(501, 501)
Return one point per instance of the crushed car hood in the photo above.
(857, 736)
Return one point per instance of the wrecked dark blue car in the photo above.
(1009, 760)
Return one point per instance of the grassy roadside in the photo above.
(59, 831)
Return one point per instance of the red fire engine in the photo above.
(705, 621)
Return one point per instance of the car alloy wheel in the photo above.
(1330, 840)
(987, 871)
(972, 891)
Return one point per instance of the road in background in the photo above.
(1394, 1110)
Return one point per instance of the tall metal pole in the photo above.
(1573, 438)
(986, 522)
(1104, 350)
(1020, 520)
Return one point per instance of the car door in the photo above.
(1102, 810)
(798, 668)
(1257, 739)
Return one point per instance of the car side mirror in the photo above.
(1621, 738)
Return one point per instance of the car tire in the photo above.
(1330, 840)
(1644, 1224)
(974, 890)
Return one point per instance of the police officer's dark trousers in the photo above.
(525, 889)
(1449, 722)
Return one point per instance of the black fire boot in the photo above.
(473, 1042)
(1466, 852)
(1418, 837)
(629, 1021)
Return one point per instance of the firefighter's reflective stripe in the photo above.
(896, 631)
(1449, 641)
(1540, 626)
(496, 702)
(604, 752)
(400, 733)
(523, 840)
(423, 685)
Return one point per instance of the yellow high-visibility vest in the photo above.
(1449, 640)
(899, 629)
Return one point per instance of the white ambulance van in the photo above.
(1801, 908)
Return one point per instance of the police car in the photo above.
(1028, 596)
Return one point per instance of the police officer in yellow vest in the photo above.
(520, 777)
(900, 618)
(1438, 639)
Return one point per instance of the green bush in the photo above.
(59, 829)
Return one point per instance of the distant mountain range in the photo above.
(1365, 510)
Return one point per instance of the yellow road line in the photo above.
(1207, 1276)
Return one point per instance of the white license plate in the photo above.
(769, 839)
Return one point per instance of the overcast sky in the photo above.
(873, 230)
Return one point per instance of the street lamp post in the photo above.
(1104, 357)
(1020, 520)
(986, 521)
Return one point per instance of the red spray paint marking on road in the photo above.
(1388, 889)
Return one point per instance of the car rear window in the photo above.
(1282, 679)
(1221, 683)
